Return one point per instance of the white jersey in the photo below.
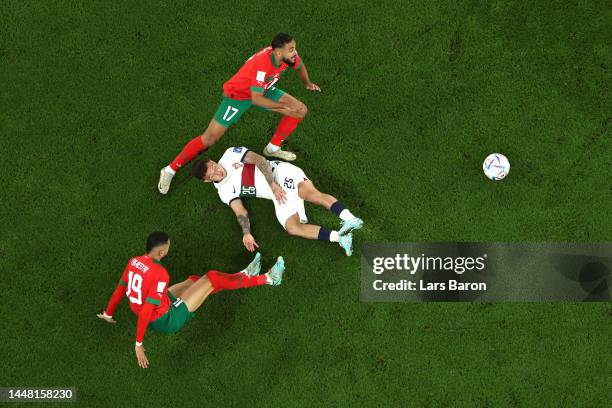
(245, 180)
(242, 180)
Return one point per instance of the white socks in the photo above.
(272, 148)
(346, 215)
(168, 169)
(334, 236)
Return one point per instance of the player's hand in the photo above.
(106, 318)
(279, 193)
(141, 356)
(249, 242)
(312, 87)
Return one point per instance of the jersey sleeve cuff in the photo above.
(244, 155)
(257, 89)
(122, 283)
(233, 199)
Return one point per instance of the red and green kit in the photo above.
(145, 283)
(258, 74)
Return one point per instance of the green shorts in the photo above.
(230, 110)
(174, 319)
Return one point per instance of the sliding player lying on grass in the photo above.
(166, 309)
(242, 173)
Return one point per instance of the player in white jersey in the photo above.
(242, 173)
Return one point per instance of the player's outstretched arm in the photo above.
(143, 361)
(144, 317)
(114, 301)
(264, 166)
(243, 219)
(304, 75)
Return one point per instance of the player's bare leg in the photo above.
(197, 293)
(293, 112)
(308, 192)
(310, 231)
(179, 288)
(293, 107)
(213, 132)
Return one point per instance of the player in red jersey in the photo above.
(253, 84)
(166, 309)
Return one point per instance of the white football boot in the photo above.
(280, 154)
(165, 178)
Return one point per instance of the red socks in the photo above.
(190, 151)
(232, 281)
(286, 126)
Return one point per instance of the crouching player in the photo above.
(242, 173)
(166, 309)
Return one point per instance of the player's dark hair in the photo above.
(155, 239)
(199, 169)
(280, 40)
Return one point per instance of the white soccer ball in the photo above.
(496, 166)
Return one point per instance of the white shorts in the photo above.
(289, 177)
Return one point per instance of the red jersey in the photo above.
(146, 281)
(258, 74)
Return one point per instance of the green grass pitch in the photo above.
(97, 96)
